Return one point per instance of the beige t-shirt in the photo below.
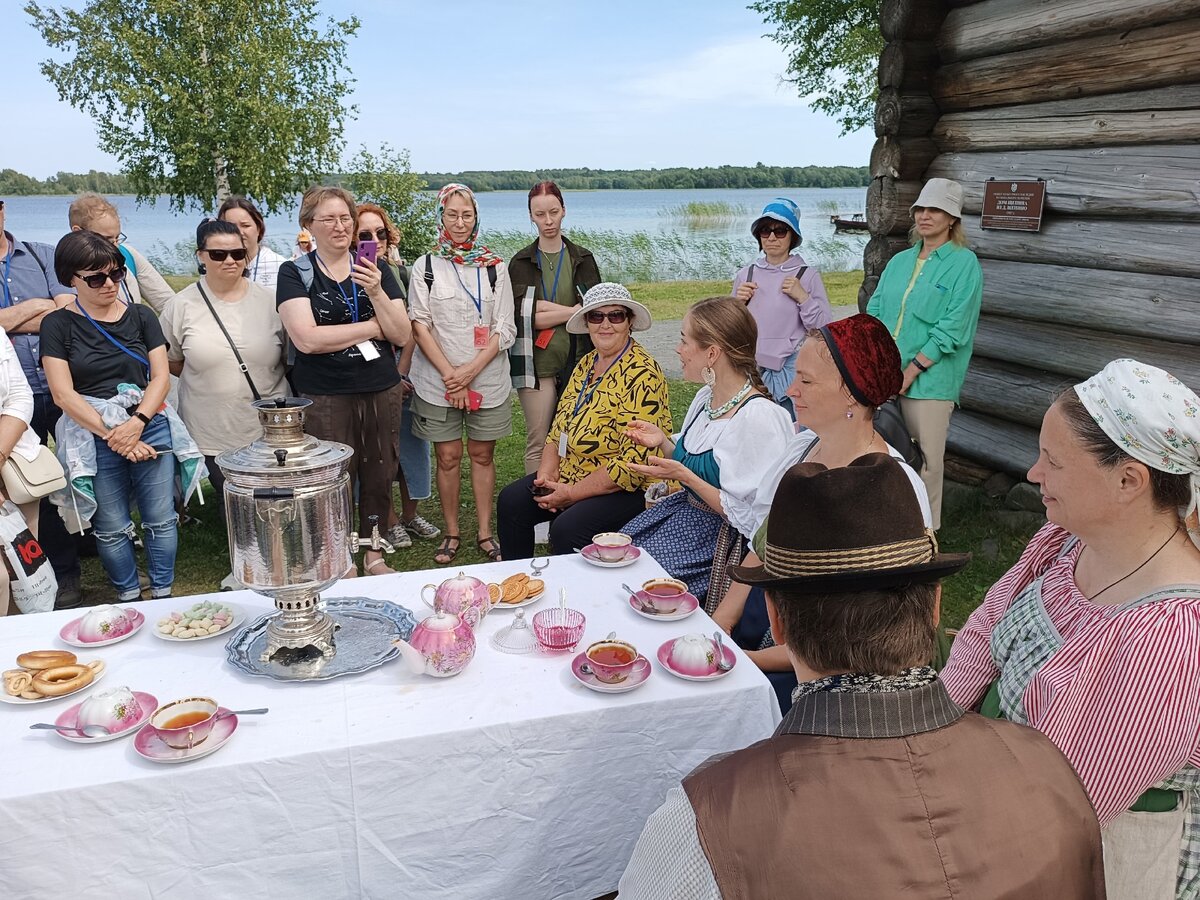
(214, 398)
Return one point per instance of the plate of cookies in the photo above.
(44, 675)
(516, 591)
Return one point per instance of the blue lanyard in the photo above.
(353, 307)
(585, 394)
(554, 290)
(112, 340)
(7, 266)
(257, 257)
(478, 301)
(125, 288)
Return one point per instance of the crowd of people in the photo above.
(801, 530)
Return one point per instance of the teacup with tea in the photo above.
(183, 724)
(664, 594)
(611, 660)
(612, 546)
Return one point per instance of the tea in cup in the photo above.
(611, 546)
(664, 594)
(183, 724)
(611, 660)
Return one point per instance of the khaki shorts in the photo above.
(445, 423)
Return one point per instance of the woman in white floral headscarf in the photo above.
(1094, 636)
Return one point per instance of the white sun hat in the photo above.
(608, 293)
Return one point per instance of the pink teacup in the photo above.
(183, 724)
(611, 661)
(664, 594)
(612, 545)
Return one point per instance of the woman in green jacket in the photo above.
(929, 297)
(544, 354)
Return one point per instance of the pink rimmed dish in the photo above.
(69, 633)
(146, 704)
(149, 743)
(583, 674)
(591, 554)
(647, 605)
(710, 672)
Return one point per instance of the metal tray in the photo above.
(363, 641)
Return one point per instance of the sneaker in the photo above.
(421, 527)
(69, 595)
(398, 537)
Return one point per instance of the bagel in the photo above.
(36, 660)
(62, 680)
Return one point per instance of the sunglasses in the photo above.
(219, 255)
(617, 316)
(96, 281)
(778, 231)
(380, 234)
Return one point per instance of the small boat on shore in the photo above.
(856, 222)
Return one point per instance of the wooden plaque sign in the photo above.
(1013, 205)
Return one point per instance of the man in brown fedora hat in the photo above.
(874, 784)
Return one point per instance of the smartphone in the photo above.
(366, 250)
(540, 490)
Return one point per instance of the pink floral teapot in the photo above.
(461, 595)
(440, 646)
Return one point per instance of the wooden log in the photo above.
(908, 65)
(1161, 115)
(917, 20)
(1078, 352)
(865, 290)
(1149, 57)
(998, 444)
(1123, 303)
(1154, 181)
(903, 158)
(879, 250)
(888, 202)
(1013, 393)
(904, 114)
(1156, 248)
(1001, 26)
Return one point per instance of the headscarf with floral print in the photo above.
(468, 253)
(1152, 416)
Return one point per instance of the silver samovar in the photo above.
(287, 509)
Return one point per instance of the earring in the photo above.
(709, 376)
(849, 412)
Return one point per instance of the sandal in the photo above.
(373, 567)
(444, 555)
(493, 554)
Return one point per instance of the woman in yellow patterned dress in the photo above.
(585, 484)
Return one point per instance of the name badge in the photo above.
(368, 350)
(562, 446)
(482, 335)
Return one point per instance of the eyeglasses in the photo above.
(96, 280)
(458, 217)
(616, 316)
(116, 240)
(779, 231)
(380, 234)
(330, 221)
(219, 255)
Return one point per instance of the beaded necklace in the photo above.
(729, 404)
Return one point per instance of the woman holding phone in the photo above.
(343, 314)
(462, 310)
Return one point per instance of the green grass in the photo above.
(704, 213)
(971, 523)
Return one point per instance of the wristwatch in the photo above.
(917, 363)
(141, 415)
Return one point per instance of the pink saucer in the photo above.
(688, 604)
(147, 703)
(729, 655)
(637, 676)
(70, 632)
(591, 553)
(150, 746)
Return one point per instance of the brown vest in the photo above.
(883, 795)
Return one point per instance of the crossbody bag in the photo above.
(236, 355)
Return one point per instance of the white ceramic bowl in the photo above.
(116, 710)
(693, 654)
(103, 623)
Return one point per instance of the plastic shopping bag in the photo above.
(31, 578)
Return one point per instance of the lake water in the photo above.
(157, 230)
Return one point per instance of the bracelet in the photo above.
(141, 415)
(917, 363)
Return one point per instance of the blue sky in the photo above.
(618, 84)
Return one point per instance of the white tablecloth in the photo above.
(508, 780)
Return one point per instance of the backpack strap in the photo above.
(129, 263)
(428, 271)
(41, 265)
(492, 278)
(304, 266)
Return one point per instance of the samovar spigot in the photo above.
(376, 541)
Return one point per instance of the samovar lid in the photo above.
(284, 450)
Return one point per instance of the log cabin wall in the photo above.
(1102, 100)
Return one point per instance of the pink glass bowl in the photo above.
(558, 628)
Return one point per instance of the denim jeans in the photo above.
(151, 484)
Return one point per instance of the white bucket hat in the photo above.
(943, 194)
(608, 293)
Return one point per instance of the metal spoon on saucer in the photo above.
(722, 665)
(92, 731)
(642, 604)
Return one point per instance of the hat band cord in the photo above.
(785, 562)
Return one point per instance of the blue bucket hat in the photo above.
(781, 209)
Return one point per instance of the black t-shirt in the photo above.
(97, 366)
(343, 371)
